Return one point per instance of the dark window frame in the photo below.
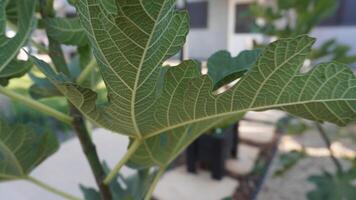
(199, 14)
(247, 21)
(344, 15)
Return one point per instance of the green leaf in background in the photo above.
(164, 109)
(223, 69)
(307, 14)
(66, 31)
(286, 4)
(90, 193)
(42, 88)
(16, 68)
(332, 49)
(22, 148)
(10, 47)
(292, 125)
(334, 187)
(133, 187)
(11, 11)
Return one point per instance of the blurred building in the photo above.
(217, 25)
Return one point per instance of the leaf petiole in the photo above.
(51, 189)
(36, 105)
(155, 182)
(132, 149)
(86, 72)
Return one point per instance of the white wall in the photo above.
(343, 34)
(202, 43)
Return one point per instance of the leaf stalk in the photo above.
(327, 141)
(51, 189)
(132, 149)
(86, 72)
(154, 183)
(36, 105)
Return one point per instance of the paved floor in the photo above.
(293, 185)
(180, 185)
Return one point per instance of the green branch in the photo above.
(132, 149)
(51, 189)
(86, 72)
(90, 152)
(36, 105)
(327, 141)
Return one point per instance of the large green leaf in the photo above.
(66, 31)
(3, 4)
(166, 108)
(10, 47)
(22, 148)
(334, 187)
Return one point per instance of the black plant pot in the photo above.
(213, 151)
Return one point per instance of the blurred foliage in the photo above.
(288, 160)
(334, 187)
(292, 17)
(331, 50)
(295, 17)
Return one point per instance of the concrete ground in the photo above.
(293, 185)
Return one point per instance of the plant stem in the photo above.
(51, 189)
(327, 141)
(36, 105)
(90, 152)
(154, 183)
(86, 72)
(132, 149)
(89, 149)
(55, 49)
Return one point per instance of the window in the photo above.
(198, 12)
(243, 20)
(344, 16)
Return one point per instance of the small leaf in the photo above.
(15, 68)
(66, 31)
(22, 148)
(333, 187)
(90, 193)
(223, 69)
